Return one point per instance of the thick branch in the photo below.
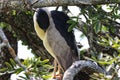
(82, 65)
(43, 3)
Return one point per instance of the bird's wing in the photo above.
(61, 41)
(60, 20)
(62, 51)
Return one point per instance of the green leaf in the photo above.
(112, 29)
(3, 25)
(9, 66)
(104, 63)
(3, 69)
(12, 62)
(71, 27)
(19, 70)
(115, 45)
(48, 66)
(104, 28)
(45, 61)
(70, 21)
(46, 76)
(13, 12)
(97, 26)
(104, 39)
(85, 28)
(25, 78)
(74, 17)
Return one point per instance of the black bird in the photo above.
(52, 29)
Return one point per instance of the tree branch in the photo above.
(84, 66)
(48, 3)
(43, 3)
(11, 50)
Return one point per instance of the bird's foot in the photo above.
(58, 77)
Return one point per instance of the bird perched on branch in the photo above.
(52, 29)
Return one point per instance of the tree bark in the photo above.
(21, 4)
(78, 69)
(5, 54)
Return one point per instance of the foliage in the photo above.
(73, 22)
(104, 40)
(36, 67)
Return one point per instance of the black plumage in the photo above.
(42, 19)
(60, 19)
(57, 40)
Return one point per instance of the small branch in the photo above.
(82, 65)
(11, 50)
(81, 26)
(2, 45)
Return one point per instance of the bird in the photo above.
(52, 28)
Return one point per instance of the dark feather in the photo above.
(42, 19)
(60, 19)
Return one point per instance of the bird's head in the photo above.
(41, 18)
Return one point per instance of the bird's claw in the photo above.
(58, 77)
